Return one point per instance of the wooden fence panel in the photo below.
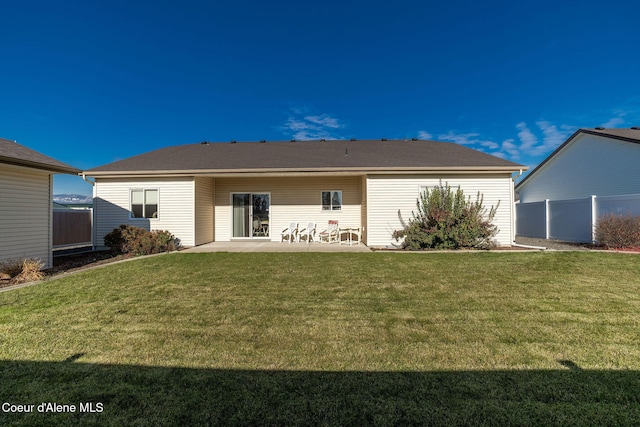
(72, 227)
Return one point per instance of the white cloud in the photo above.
(527, 139)
(510, 149)
(530, 142)
(310, 127)
(424, 135)
(531, 145)
(459, 138)
(553, 137)
(324, 120)
(469, 139)
(612, 123)
(490, 144)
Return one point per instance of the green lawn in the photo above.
(330, 339)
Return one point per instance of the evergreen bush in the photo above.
(128, 239)
(447, 220)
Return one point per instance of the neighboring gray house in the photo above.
(26, 186)
(601, 162)
(251, 190)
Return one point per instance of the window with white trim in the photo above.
(332, 200)
(144, 203)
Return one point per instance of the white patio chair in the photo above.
(330, 235)
(257, 227)
(308, 233)
(290, 232)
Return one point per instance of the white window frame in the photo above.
(331, 207)
(143, 217)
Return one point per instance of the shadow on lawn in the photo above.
(181, 396)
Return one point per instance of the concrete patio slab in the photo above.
(257, 246)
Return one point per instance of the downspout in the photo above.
(93, 210)
(93, 183)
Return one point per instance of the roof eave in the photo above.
(42, 166)
(307, 171)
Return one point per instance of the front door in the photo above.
(250, 216)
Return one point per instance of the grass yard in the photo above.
(329, 339)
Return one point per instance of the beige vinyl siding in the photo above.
(175, 206)
(292, 199)
(363, 208)
(205, 190)
(390, 198)
(589, 165)
(25, 214)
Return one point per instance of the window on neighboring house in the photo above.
(144, 203)
(332, 200)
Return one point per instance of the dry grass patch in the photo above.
(22, 271)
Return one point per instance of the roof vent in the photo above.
(233, 141)
(204, 142)
(383, 139)
(323, 140)
(353, 139)
(635, 128)
(600, 128)
(414, 139)
(293, 140)
(262, 141)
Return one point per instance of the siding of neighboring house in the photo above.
(589, 165)
(292, 199)
(175, 206)
(25, 214)
(392, 199)
(204, 210)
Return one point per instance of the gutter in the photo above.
(39, 165)
(302, 172)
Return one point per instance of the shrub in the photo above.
(446, 220)
(22, 271)
(11, 267)
(616, 231)
(137, 241)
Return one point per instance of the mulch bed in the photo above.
(74, 262)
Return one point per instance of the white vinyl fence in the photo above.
(571, 220)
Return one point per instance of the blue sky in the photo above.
(93, 82)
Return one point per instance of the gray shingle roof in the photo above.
(13, 153)
(629, 134)
(332, 155)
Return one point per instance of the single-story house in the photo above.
(26, 193)
(602, 162)
(209, 192)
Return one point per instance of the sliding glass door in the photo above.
(250, 216)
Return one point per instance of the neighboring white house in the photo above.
(602, 162)
(251, 191)
(26, 185)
